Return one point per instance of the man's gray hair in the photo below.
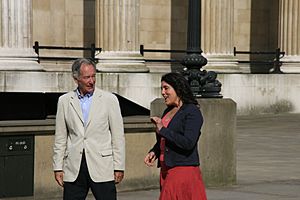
(78, 63)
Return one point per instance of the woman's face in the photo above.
(169, 94)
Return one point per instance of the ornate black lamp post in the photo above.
(203, 83)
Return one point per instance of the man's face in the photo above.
(87, 79)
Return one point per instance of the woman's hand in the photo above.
(157, 122)
(150, 159)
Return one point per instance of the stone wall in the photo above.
(253, 93)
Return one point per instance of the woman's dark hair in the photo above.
(181, 87)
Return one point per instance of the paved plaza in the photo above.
(268, 162)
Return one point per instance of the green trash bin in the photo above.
(16, 165)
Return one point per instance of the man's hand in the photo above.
(59, 177)
(119, 175)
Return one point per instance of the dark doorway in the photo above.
(39, 106)
(28, 106)
(88, 25)
(264, 33)
(179, 19)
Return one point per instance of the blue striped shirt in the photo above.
(85, 103)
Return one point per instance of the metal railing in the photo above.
(275, 62)
(143, 50)
(37, 48)
(92, 49)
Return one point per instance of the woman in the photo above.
(178, 132)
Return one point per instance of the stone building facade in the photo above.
(119, 28)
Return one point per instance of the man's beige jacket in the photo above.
(102, 138)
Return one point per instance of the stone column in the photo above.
(289, 38)
(217, 35)
(16, 52)
(118, 36)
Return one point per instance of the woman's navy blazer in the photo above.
(182, 135)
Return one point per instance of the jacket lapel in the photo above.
(76, 105)
(181, 109)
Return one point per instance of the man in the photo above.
(89, 147)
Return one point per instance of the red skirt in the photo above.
(181, 183)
